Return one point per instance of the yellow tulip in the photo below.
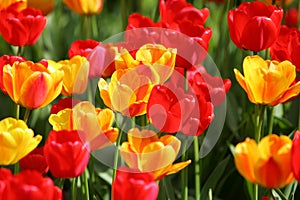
(95, 124)
(85, 7)
(159, 60)
(6, 3)
(266, 163)
(32, 85)
(16, 140)
(75, 78)
(147, 152)
(268, 82)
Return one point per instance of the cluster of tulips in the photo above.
(146, 98)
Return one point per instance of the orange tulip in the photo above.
(85, 7)
(95, 124)
(6, 3)
(268, 82)
(32, 85)
(46, 6)
(266, 163)
(147, 152)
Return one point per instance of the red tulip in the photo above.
(5, 59)
(291, 17)
(254, 26)
(287, 46)
(212, 88)
(27, 185)
(23, 27)
(170, 109)
(35, 160)
(82, 47)
(295, 156)
(62, 104)
(130, 184)
(66, 154)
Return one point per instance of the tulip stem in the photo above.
(16, 168)
(17, 111)
(184, 174)
(255, 191)
(116, 156)
(86, 185)
(88, 27)
(74, 188)
(197, 168)
(61, 182)
(19, 52)
(281, 194)
(260, 110)
(123, 14)
(26, 115)
(270, 120)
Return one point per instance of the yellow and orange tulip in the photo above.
(6, 3)
(85, 7)
(268, 82)
(32, 85)
(16, 140)
(75, 78)
(95, 124)
(46, 6)
(147, 152)
(266, 163)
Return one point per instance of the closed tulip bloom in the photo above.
(254, 26)
(85, 7)
(35, 160)
(291, 17)
(32, 85)
(265, 163)
(30, 185)
(146, 152)
(16, 26)
(75, 78)
(295, 155)
(131, 184)
(7, 3)
(268, 82)
(66, 154)
(16, 140)
(46, 6)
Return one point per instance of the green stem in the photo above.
(184, 174)
(86, 185)
(255, 191)
(281, 194)
(94, 27)
(74, 188)
(156, 14)
(61, 182)
(197, 168)
(26, 115)
(19, 52)
(260, 110)
(17, 111)
(270, 120)
(123, 14)
(116, 156)
(16, 168)
(88, 27)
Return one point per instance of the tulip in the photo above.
(5, 175)
(66, 154)
(7, 3)
(85, 7)
(32, 85)
(95, 124)
(30, 185)
(46, 6)
(291, 17)
(35, 160)
(295, 155)
(82, 47)
(287, 46)
(254, 26)
(268, 82)
(266, 163)
(280, 3)
(16, 140)
(5, 59)
(62, 104)
(75, 78)
(16, 26)
(130, 184)
(146, 152)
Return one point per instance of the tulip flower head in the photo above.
(32, 85)
(16, 25)
(254, 26)
(46, 6)
(295, 155)
(268, 82)
(146, 152)
(265, 163)
(85, 7)
(16, 140)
